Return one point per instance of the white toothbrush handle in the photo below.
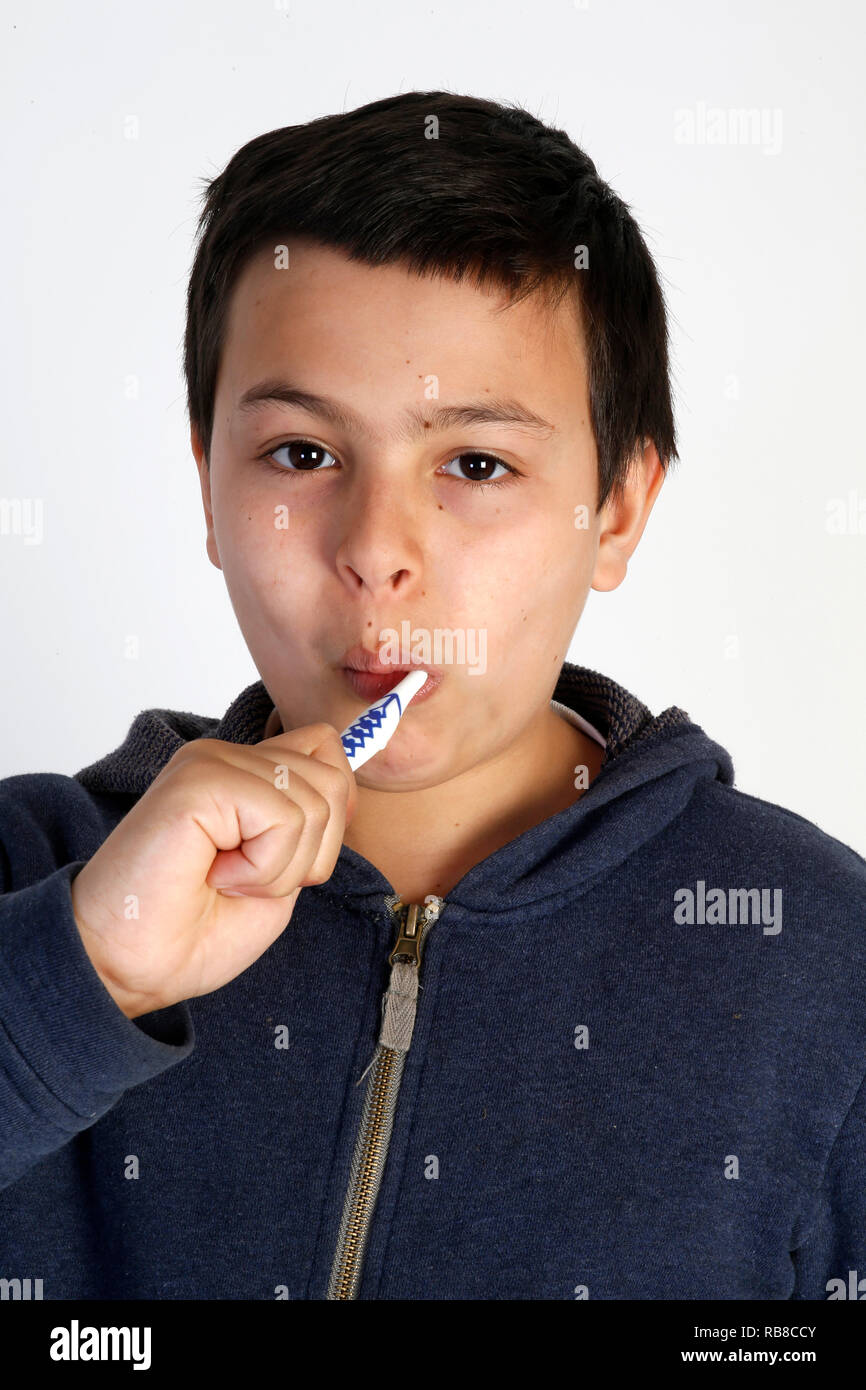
(372, 730)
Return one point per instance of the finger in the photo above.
(323, 743)
(314, 752)
(278, 858)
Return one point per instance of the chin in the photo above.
(392, 770)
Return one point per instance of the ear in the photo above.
(624, 516)
(204, 482)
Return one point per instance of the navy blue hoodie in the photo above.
(625, 1061)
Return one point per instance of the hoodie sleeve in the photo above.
(831, 1262)
(67, 1051)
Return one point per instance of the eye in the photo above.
(483, 464)
(305, 456)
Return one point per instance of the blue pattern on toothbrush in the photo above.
(374, 727)
(358, 735)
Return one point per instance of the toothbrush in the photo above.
(372, 730)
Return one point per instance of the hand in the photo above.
(148, 904)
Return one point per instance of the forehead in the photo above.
(317, 312)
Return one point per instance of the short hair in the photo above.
(495, 195)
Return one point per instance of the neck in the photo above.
(426, 841)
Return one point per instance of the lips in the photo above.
(360, 659)
(370, 678)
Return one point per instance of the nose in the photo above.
(380, 550)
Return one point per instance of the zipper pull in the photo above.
(407, 947)
(400, 999)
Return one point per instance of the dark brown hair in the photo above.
(466, 187)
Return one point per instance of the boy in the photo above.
(537, 1005)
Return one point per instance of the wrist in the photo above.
(130, 1003)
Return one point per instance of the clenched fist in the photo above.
(267, 819)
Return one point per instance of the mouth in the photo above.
(370, 679)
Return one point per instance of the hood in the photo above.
(650, 767)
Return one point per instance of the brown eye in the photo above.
(478, 467)
(305, 456)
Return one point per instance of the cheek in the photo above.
(505, 589)
(542, 591)
(267, 552)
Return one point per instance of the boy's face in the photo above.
(372, 527)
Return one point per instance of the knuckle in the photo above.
(316, 875)
(187, 773)
(325, 729)
(284, 885)
(320, 810)
(294, 819)
(271, 889)
(336, 783)
(192, 756)
(194, 748)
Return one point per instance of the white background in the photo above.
(740, 606)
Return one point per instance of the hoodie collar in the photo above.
(648, 773)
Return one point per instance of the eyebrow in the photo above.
(414, 423)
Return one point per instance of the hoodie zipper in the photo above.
(377, 1120)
